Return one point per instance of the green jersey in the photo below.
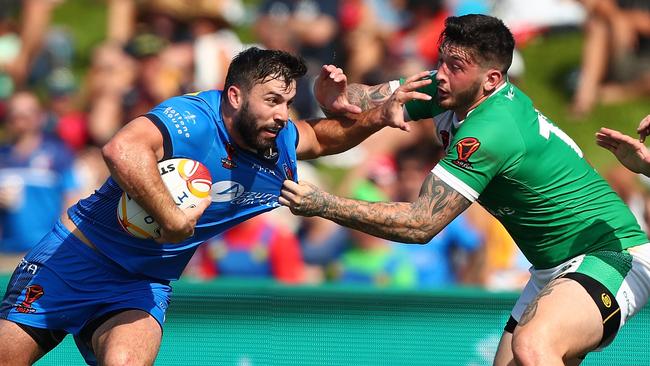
(531, 176)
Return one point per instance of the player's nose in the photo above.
(281, 114)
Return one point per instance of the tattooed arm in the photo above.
(337, 98)
(415, 222)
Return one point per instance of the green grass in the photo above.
(86, 20)
(549, 61)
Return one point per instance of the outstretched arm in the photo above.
(334, 135)
(337, 98)
(415, 222)
(631, 152)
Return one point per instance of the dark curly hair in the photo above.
(255, 66)
(486, 39)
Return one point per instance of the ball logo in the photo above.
(186, 180)
(197, 177)
(226, 190)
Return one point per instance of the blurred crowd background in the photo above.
(72, 72)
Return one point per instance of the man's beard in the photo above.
(464, 99)
(246, 125)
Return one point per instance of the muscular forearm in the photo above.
(335, 135)
(417, 222)
(134, 168)
(397, 221)
(368, 97)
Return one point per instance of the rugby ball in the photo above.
(188, 182)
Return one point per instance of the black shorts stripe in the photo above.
(606, 302)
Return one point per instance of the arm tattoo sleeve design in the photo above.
(416, 222)
(368, 97)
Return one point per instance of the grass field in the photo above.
(548, 61)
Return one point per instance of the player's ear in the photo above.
(492, 79)
(235, 96)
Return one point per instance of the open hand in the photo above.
(330, 90)
(392, 113)
(631, 152)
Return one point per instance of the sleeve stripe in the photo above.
(455, 183)
(167, 140)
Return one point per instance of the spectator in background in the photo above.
(412, 45)
(616, 53)
(111, 76)
(255, 248)
(36, 178)
(370, 23)
(305, 27)
(34, 20)
(65, 117)
(499, 264)
(371, 260)
(626, 184)
(451, 257)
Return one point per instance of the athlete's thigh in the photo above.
(131, 337)
(563, 317)
(16, 346)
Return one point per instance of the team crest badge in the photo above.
(32, 293)
(228, 161)
(287, 172)
(465, 148)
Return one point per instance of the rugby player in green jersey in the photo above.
(591, 261)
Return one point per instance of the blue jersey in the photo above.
(245, 184)
(41, 180)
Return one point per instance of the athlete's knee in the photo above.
(123, 357)
(532, 347)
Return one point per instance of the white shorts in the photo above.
(625, 274)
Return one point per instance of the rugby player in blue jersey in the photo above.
(90, 278)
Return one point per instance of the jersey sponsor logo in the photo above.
(607, 301)
(228, 161)
(32, 293)
(257, 198)
(28, 267)
(262, 169)
(506, 211)
(226, 190)
(179, 121)
(236, 194)
(465, 148)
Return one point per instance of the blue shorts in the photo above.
(62, 285)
